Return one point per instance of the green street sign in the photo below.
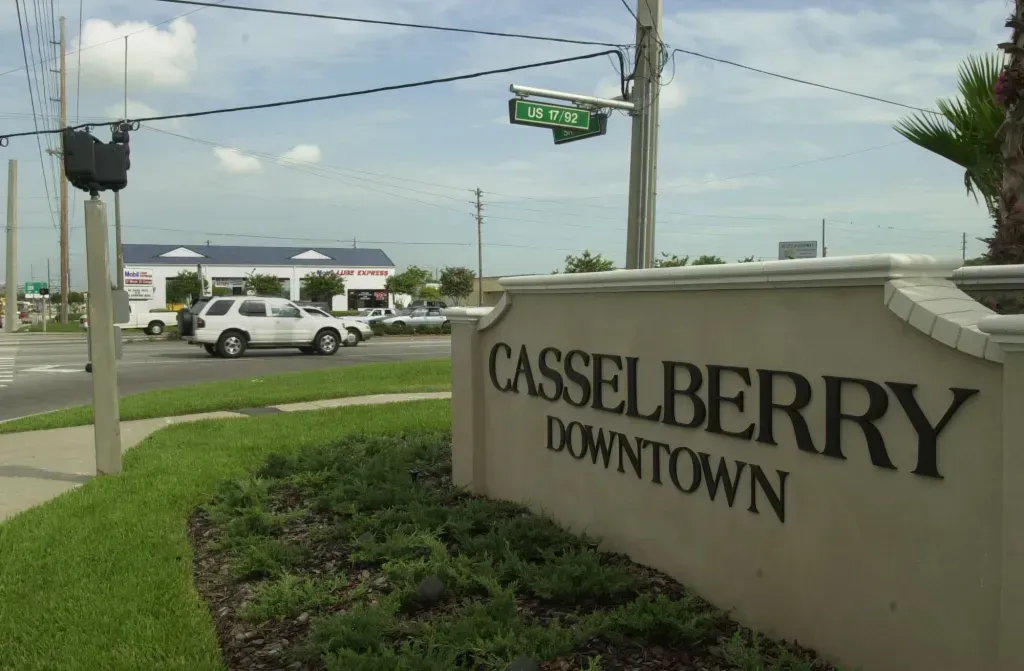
(33, 288)
(598, 126)
(529, 113)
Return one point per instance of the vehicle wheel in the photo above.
(211, 350)
(307, 350)
(231, 345)
(88, 368)
(398, 326)
(446, 327)
(358, 338)
(155, 328)
(326, 342)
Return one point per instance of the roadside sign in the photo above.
(799, 249)
(34, 289)
(598, 126)
(546, 115)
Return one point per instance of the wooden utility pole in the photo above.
(10, 319)
(65, 256)
(963, 246)
(824, 249)
(479, 248)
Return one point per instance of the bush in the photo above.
(387, 329)
(345, 313)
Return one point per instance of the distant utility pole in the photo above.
(479, 248)
(643, 163)
(11, 306)
(824, 249)
(963, 246)
(65, 255)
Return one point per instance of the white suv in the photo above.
(227, 326)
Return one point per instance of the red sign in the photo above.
(347, 272)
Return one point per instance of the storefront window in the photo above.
(366, 298)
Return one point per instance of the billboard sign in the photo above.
(800, 249)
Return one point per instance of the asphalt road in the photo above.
(44, 373)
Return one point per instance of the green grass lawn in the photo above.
(335, 382)
(53, 327)
(101, 577)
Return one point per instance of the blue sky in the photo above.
(398, 168)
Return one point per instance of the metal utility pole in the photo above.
(643, 163)
(119, 251)
(47, 302)
(963, 247)
(65, 256)
(479, 248)
(11, 306)
(103, 353)
(824, 249)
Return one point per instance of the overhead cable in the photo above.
(397, 24)
(337, 96)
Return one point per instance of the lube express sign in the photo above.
(691, 399)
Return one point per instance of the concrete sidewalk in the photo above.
(36, 466)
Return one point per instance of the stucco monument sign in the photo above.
(833, 448)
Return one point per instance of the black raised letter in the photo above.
(583, 440)
(552, 423)
(492, 366)
(673, 465)
(927, 435)
(550, 373)
(600, 382)
(578, 377)
(632, 405)
(523, 368)
(634, 457)
(878, 404)
(656, 459)
(700, 411)
(715, 401)
(721, 476)
(801, 397)
(777, 500)
(596, 443)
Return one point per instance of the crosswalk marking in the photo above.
(8, 357)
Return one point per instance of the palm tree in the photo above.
(966, 130)
(1007, 243)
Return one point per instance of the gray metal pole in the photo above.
(479, 249)
(107, 421)
(643, 144)
(11, 308)
(117, 240)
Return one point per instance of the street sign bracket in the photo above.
(599, 103)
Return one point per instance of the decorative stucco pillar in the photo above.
(468, 370)
(1007, 331)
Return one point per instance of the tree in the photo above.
(587, 263)
(746, 259)
(706, 260)
(183, 286)
(967, 132)
(410, 281)
(430, 294)
(1007, 242)
(262, 285)
(322, 286)
(457, 282)
(76, 298)
(671, 261)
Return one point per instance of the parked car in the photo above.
(428, 304)
(152, 323)
(359, 330)
(419, 317)
(373, 315)
(227, 326)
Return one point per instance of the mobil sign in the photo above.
(138, 282)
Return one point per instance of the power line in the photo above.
(630, 10)
(116, 39)
(31, 98)
(347, 94)
(804, 81)
(397, 24)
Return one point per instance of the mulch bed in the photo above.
(266, 646)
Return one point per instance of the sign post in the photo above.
(45, 292)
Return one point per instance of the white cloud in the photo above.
(157, 57)
(236, 162)
(302, 153)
